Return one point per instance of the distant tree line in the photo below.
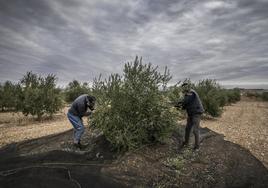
(33, 94)
(37, 95)
(261, 95)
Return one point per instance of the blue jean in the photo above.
(79, 128)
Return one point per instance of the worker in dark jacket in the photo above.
(79, 109)
(194, 108)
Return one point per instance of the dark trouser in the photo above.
(193, 121)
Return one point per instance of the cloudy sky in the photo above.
(79, 39)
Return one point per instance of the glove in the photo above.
(91, 107)
(88, 114)
(178, 105)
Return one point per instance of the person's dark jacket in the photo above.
(79, 106)
(192, 103)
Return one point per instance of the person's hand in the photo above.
(88, 114)
(91, 108)
(179, 104)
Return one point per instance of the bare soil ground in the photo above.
(51, 161)
(15, 127)
(245, 123)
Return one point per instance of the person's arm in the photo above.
(178, 104)
(89, 106)
(88, 113)
(188, 98)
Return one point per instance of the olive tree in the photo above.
(40, 95)
(75, 89)
(132, 109)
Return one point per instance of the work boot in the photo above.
(184, 144)
(79, 145)
(196, 147)
(186, 137)
(197, 139)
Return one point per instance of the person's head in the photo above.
(186, 87)
(91, 102)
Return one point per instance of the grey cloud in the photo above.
(24, 15)
(226, 40)
(257, 9)
(230, 73)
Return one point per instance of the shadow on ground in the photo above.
(53, 162)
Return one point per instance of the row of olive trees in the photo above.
(9, 96)
(37, 95)
(212, 95)
(264, 96)
(33, 94)
(257, 95)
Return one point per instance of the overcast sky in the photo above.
(79, 39)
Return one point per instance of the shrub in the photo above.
(75, 89)
(9, 96)
(174, 94)
(39, 95)
(264, 96)
(132, 109)
(212, 96)
(1, 97)
(253, 94)
(258, 95)
(233, 95)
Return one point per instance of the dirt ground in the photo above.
(244, 123)
(51, 161)
(15, 127)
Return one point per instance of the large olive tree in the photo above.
(132, 108)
